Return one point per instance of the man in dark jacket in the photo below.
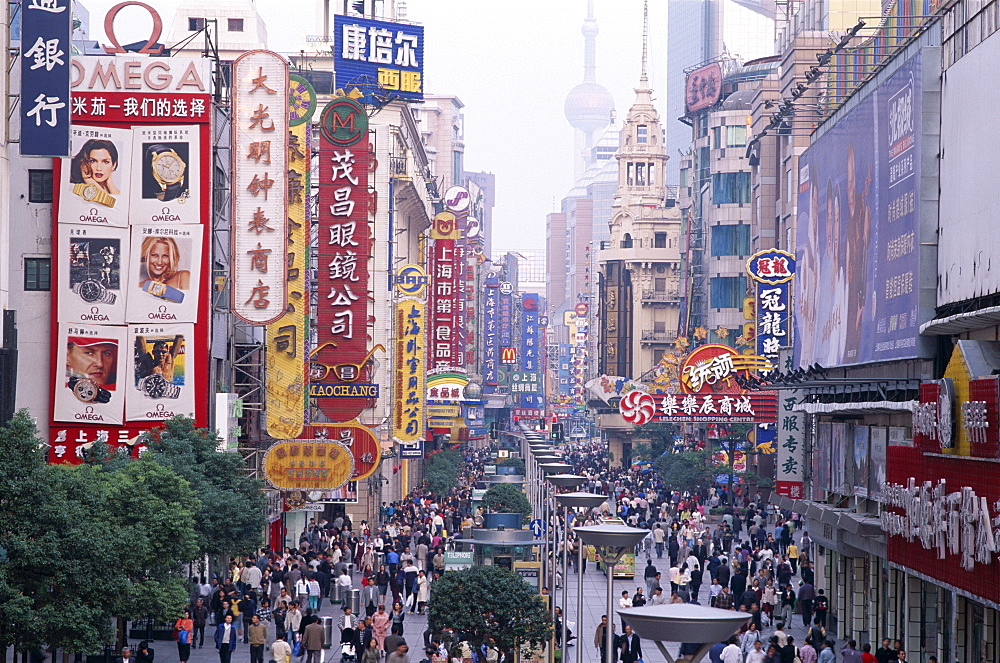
(630, 645)
(199, 615)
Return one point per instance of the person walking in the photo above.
(630, 645)
(380, 624)
(258, 638)
(293, 622)
(313, 641)
(398, 617)
(226, 639)
(199, 617)
(281, 651)
(348, 626)
(600, 638)
(399, 655)
(184, 628)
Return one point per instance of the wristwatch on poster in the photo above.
(163, 291)
(87, 391)
(94, 194)
(168, 171)
(92, 291)
(156, 386)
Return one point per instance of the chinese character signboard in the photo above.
(357, 438)
(344, 249)
(390, 53)
(260, 165)
(491, 332)
(318, 464)
(530, 353)
(410, 360)
(45, 77)
(130, 322)
(791, 441)
(639, 408)
(772, 270)
(713, 368)
(444, 297)
(703, 87)
(286, 337)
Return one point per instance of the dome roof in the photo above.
(588, 106)
(739, 100)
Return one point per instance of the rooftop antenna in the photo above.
(645, 38)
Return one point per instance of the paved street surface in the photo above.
(594, 598)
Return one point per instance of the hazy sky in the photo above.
(512, 71)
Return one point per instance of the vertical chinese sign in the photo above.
(260, 165)
(530, 352)
(286, 337)
(791, 438)
(772, 270)
(344, 248)
(443, 330)
(46, 27)
(131, 318)
(491, 332)
(410, 380)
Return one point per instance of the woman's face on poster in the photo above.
(101, 165)
(158, 263)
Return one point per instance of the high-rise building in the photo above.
(443, 128)
(700, 31)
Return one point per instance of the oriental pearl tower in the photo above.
(589, 105)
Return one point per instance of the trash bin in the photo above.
(328, 627)
(355, 602)
(335, 596)
(379, 559)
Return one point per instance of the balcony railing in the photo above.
(397, 167)
(649, 336)
(660, 296)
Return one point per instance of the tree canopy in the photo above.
(689, 471)
(506, 498)
(490, 601)
(514, 462)
(441, 471)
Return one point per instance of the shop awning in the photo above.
(861, 407)
(962, 322)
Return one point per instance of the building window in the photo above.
(649, 174)
(716, 137)
(39, 186)
(736, 136)
(236, 25)
(728, 291)
(630, 180)
(640, 174)
(731, 240)
(38, 274)
(684, 178)
(456, 167)
(195, 23)
(642, 133)
(659, 285)
(730, 188)
(659, 240)
(627, 241)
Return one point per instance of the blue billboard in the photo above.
(367, 52)
(858, 244)
(45, 68)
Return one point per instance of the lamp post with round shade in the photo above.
(684, 622)
(611, 541)
(550, 470)
(563, 481)
(579, 500)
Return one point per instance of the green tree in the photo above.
(506, 498)
(83, 544)
(490, 601)
(231, 517)
(652, 441)
(441, 471)
(513, 462)
(686, 471)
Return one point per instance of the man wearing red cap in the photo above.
(91, 362)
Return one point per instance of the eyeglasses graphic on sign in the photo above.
(344, 372)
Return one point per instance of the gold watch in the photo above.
(168, 171)
(94, 194)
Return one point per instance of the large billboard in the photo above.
(131, 315)
(368, 51)
(858, 294)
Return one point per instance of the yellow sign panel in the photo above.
(410, 385)
(285, 383)
(445, 226)
(308, 465)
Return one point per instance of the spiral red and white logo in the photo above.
(637, 407)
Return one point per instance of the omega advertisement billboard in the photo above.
(131, 312)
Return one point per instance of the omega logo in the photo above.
(109, 29)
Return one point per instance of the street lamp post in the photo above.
(550, 470)
(614, 541)
(580, 500)
(564, 481)
(684, 622)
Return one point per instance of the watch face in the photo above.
(91, 291)
(90, 192)
(85, 390)
(168, 167)
(154, 386)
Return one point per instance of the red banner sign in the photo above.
(344, 248)
(445, 318)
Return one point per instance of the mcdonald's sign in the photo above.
(508, 356)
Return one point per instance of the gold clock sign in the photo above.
(308, 465)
